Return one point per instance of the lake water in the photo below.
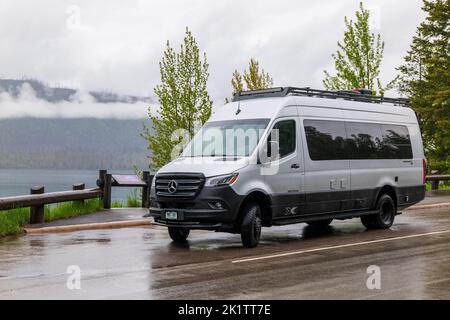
(14, 182)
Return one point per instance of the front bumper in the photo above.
(198, 213)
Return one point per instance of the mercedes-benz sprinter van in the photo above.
(290, 155)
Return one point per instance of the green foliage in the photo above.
(184, 101)
(67, 210)
(12, 221)
(425, 78)
(134, 200)
(443, 185)
(117, 204)
(252, 79)
(358, 59)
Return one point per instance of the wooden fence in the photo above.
(37, 198)
(436, 178)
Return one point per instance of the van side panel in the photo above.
(404, 175)
(327, 183)
(323, 187)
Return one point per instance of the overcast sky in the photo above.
(116, 45)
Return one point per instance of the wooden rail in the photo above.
(48, 198)
(436, 178)
(37, 198)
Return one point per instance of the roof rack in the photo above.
(343, 94)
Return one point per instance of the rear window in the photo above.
(396, 142)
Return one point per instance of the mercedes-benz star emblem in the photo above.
(172, 187)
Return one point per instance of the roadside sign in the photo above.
(127, 180)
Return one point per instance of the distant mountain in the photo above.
(84, 143)
(54, 95)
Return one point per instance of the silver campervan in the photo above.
(291, 155)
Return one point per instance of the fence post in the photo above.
(78, 186)
(37, 212)
(103, 184)
(107, 192)
(101, 178)
(435, 185)
(145, 189)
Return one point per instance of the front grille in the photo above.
(186, 185)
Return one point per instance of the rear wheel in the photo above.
(320, 223)
(251, 225)
(178, 234)
(385, 216)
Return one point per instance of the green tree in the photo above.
(358, 59)
(183, 98)
(253, 79)
(425, 79)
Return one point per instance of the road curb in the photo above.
(90, 226)
(429, 206)
(147, 222)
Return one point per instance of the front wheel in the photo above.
(178, 234)
(384, 218)
(251, 225)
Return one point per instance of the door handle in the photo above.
(408, 161)
(295, 166)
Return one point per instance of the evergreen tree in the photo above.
(425, 79)
(358, 59)
(183, 98)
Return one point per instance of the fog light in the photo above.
(216, 205)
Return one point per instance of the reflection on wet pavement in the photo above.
(144, 263)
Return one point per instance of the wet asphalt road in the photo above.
(292, 262)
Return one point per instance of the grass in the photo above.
(443, 185)
(134, 200)
(12, 221)
(67, 210)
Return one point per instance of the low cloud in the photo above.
(81, 105)
(116, 45)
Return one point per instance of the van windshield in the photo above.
(233, 138)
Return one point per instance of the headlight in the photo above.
(228, 179)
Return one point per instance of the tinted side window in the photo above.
(326, 139)
(287, 135)
(364, 140)
(396, 142)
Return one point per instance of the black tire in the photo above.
(251, 225)
(320, 223)
(178, 234)
(385, 216)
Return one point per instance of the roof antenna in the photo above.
(239, 108)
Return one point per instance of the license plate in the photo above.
(171, 215)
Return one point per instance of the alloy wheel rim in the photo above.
(386, 212)
(257, 228)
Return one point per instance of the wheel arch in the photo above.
(389, 190)
(264, 202)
